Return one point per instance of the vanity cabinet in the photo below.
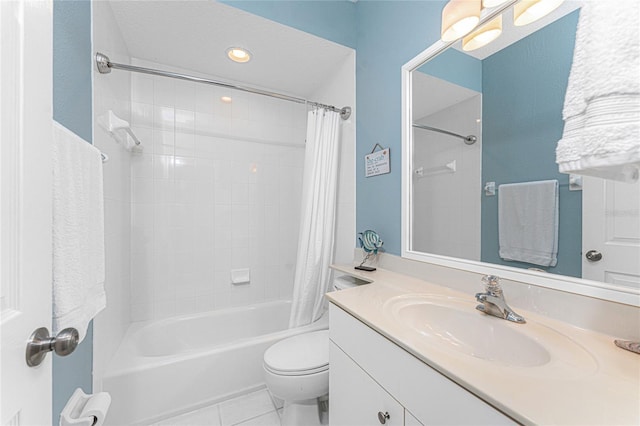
(355, 398)
(369, 374)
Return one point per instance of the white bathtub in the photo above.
(171, 366)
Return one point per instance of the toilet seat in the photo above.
(300, 355)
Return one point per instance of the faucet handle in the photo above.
(492, 284)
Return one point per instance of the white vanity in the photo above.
(406, 351)
(366, 383)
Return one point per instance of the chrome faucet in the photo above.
(492, 301)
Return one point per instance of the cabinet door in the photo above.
(355, 398)
(409, 420)
(431, 397)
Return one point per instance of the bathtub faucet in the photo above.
(492, 301)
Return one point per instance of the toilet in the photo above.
(296, 370)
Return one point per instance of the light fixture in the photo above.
(238, 54)
(492, 3)
(483, 35)
(226, 99)
(528, 11)
(459, 17)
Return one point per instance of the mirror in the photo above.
(473, 121)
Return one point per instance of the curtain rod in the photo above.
(469, 140)
(105, 65)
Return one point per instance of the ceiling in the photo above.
(195, 35)
(431, 94)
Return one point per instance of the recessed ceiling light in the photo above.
(238, 54)
(226, 99)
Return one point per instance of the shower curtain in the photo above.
(317, 221)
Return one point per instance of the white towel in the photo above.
(528, 222)
(78, 232)
(602, 104)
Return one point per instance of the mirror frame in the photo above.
(563, 283)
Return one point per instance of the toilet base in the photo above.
(309, 412)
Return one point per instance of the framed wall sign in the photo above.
(377, 162)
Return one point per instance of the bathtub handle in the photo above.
(40, 343)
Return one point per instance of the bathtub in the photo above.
(167, 367)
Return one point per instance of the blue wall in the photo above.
(386, 35)
(72, 65)
(523, 96)
(456, 67)
(390, 33)
(72, 108)
(333, 20)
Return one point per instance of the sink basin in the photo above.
(458, 326)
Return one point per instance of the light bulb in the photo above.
(528, 11)
(483, 35)
(238, 54)
(459, 17)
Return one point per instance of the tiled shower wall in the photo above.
(447, 204)
(216, 188)
(112, 92)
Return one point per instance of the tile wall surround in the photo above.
(451, 200)
(217, 187)
(112, 92)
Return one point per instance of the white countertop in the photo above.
(587, 381)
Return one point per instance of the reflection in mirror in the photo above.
(447, 172)
(510, 95)
(512, 100)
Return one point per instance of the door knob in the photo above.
(40, 343)
(383, 417)
(593, 255)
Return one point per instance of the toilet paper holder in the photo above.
(85, 410)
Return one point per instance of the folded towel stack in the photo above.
(602, 104)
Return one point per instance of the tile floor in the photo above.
(254, 409)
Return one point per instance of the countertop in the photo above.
(588, 380)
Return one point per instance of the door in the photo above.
(25, 215)
(611, 232)
(355, 398)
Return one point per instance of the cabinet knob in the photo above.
(382, 417)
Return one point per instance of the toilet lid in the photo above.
(305, 353)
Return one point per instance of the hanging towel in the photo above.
(78, 232)
(602, 104)
(528, 222)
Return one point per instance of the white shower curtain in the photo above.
(317, 220)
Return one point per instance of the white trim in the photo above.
(599, 290)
